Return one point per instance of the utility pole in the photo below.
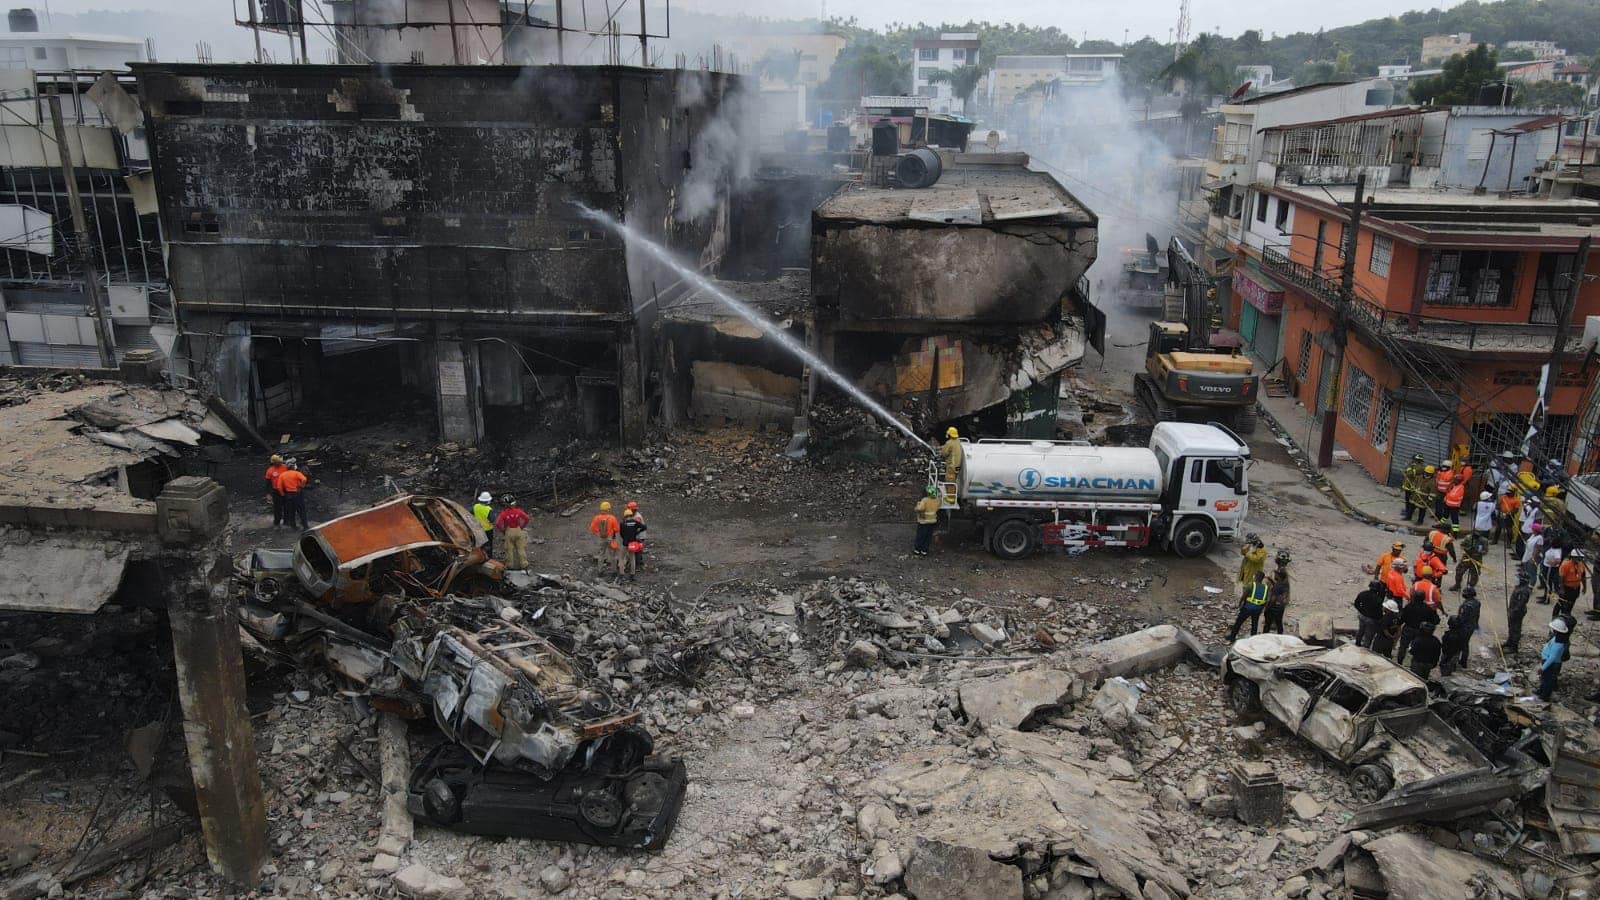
(1569, 302)
(84, 248)
(1341, 325)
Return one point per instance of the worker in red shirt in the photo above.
(510, 523)
(291, 486)
(605, 527)
(275, 467)
(1395, 580)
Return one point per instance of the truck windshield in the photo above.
(1164, 460)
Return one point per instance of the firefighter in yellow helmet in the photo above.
(1427, 496)
(953, 456)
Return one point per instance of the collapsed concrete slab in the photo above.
(1418, 869)
(1039, 794)
(944, 871)
(1131, 654)
(1011, 701)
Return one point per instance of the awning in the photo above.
(1258, 290)
(1216, 185)
(59, 573)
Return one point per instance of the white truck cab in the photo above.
(1207, 480)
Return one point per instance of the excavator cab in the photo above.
(1167, 337)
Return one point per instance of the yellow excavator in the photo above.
(1185, 377)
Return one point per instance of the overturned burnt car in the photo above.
(396, 600)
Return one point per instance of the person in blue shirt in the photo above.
(1551, 657)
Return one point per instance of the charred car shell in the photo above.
(1355, 706)
(415, 545)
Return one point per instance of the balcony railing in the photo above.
(1231, 152)
(1449, 334)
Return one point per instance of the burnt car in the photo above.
(396, 602)
(632, 800)
(1357, 707)
(415, 545)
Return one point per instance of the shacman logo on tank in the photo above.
(1032, 480)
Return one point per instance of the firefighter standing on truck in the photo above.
(952, 455)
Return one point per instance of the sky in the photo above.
(186, 21)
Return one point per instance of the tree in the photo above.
(1546, 93)
(863, 69)
(780, 65)
(1463, 77)
(963, 80)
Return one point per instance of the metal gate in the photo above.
(1268, 329)
(1420, 429)
(1248, 316)
(1327, 384)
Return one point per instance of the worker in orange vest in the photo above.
(1427, 588)
(275, 467)
(1442, 479)
(605, 527)
(1435, 563)
(1453, 499)
(1507, 509)
(1442, 540)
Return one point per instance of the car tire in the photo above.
(441, 802)
(1244, 697)
(1013, 539)
(1193, 537)
(1372, 782)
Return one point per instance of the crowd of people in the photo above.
(1514, 509)
(1402, 614)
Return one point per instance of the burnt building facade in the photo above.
(961, 299)
(421, 229)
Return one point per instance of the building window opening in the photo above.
(1357, 399)
(928, 54)
(1302, 367)
(1470, 278)
(1384, 423)
(1261, 207)
(1382, 253)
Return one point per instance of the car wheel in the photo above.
(441, 802)
(1012, 539)
(1192, 538)
(1244, 697)
(1372, 782)
(600, 808)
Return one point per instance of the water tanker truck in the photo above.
(1183, 492)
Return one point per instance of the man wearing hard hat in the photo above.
(1552, 656)
(953, 456)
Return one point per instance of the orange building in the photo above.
(1454, 310)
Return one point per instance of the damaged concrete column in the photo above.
(460, 406)
(631, 411)
(191, 512)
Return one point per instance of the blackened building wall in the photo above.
(439, 199)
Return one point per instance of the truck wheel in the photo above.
(1193, 537)
(1372, 783)
(1245, 421)
(1012, 539)
(1244, 697)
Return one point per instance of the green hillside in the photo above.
(1352, 50)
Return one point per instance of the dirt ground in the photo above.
(781, 756)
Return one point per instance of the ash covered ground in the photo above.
(818, 679)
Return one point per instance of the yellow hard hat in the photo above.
(276, 458)
(1551, 491)
(1431, 469)
(605, 505)
(951, 432)
(1397, 546)
(1426, 570)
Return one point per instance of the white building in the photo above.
(65, 51)
(1013, 75)
(951, 51)
(1540, 49)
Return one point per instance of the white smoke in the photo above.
(723, 158)
(1097, 142)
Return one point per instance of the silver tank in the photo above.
(1045, 470)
